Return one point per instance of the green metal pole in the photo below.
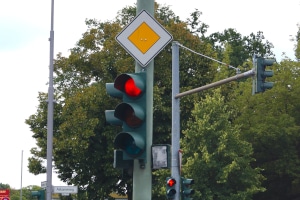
(142, 177)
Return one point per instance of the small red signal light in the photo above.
(131, 89)
(171, 182)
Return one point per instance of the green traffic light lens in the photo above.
(131, 148)
(171, 192)
(132, 143)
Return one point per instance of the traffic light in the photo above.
(170, 190)
(186, 191)
(131, 114)
(39, 194)
(259, 81)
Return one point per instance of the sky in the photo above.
(25, 55)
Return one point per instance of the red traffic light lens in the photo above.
(171, 182)
(130, 114)
(131, 119)
(131, 89)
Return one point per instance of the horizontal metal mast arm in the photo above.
(215, 84)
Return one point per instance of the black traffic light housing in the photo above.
(170, 187)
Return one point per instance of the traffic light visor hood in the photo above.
(131, 84)
(268, 61)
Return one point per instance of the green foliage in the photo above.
(270, 121)
(15, 194)
(4, 186)
(297, 46)
(243, 47)
(84, 138)
(215, 156)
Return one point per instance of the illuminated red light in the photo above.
(131, 89)
(171, 182)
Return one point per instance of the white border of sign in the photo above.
(144, 59)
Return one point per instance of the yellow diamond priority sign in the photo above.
(143, 38)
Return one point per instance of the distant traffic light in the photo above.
(39, 194)
(131, 114)
(170, 187)
(259, 81)
(186, 190)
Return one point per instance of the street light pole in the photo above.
(50, 110)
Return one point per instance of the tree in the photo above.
(15, 194)
(4, 186)
(215, 156)
(242, 47)
(270, 122)
(297, 46)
